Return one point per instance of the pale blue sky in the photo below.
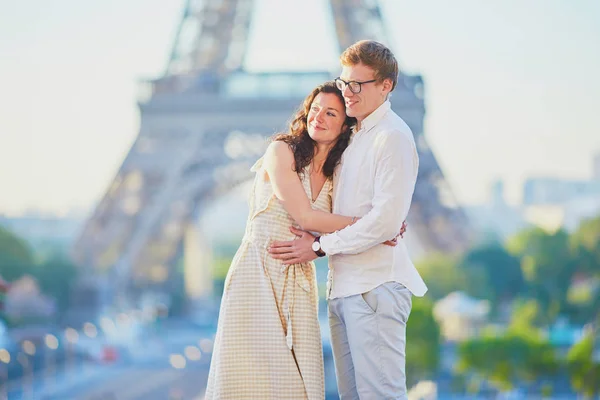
(512, 86)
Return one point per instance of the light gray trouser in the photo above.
(368, 338)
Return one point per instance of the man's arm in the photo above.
(279, 164)
(300, 249)
(395, 177)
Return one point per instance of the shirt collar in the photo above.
(375, 117)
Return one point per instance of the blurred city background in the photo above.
(127, 130)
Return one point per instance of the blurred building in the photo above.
(496, 219)
(424, 390)
(24, 300)
(460, 316)
(552, 202)
(556, 191)
(548, 202)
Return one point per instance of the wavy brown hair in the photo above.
(303, 146)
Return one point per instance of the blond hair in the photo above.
(374, 55)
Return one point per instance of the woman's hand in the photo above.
(394, 241)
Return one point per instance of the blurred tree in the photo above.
(520, 355)
(16, 258)
(221, 267)
(547, 266)
(423, 342)
(178, 303)
(526, 315)
(13, 246)
(583, 296)
(587, 236)
(584, 365)
(4, 286)
(56, 278)
(444, 276)
(502, 272)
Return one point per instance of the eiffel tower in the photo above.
(205, 122)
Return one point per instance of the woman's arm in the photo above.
(279, 164)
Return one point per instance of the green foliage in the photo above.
(444, 276)
(587, 236)
(11, 269)
(423, 341)
(178, 302)
(546, 390)
(562, 271)
(501, 272)
(519, 243)
(221, 267)
(583, 368)
(520, 355)
(13, 247)
(16, 258)
(56, 278)
(548, 266)
(526, 315)
(546, 258)
(583, 298)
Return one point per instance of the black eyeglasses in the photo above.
(355, 87)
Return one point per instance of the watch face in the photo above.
(316, 246)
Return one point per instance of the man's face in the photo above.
(371, 96)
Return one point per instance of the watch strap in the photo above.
(319, 252)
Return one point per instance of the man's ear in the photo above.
(387, 85)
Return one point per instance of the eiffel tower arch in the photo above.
(203, 124)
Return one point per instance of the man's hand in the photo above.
(295, 251)
(394, 241)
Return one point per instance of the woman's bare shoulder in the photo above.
(279, 151)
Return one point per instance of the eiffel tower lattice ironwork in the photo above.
(205, 121)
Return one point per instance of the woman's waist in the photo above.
(261, 242)
(265, 235)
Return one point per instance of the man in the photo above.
(369, 284)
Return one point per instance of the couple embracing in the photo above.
(338, 183)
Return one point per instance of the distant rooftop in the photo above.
(241, 84)
(273, 85)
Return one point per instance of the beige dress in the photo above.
(268, 341)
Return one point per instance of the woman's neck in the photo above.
(321, 153)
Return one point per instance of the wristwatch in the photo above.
(316, 246)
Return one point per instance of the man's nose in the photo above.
(347, 92)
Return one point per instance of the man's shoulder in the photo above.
(394, 136)
(392, 122)
(393, 128)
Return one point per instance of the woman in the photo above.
(268, 341)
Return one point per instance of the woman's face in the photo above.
(326, 118)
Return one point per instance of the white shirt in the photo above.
(376, 182)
